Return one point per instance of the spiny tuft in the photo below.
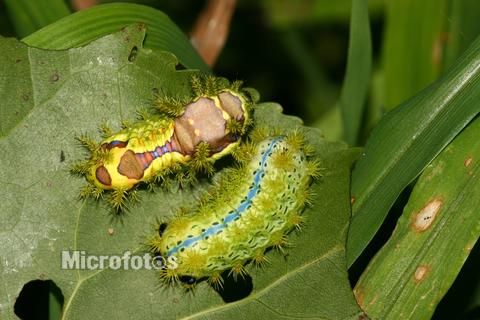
(207, 85)
(296, 140)
(171, 106)
(90, 190)
(245, 152)
(200, 160)
(125, 124)
(235, 127)
(236, 85)
(283, 160)
(87, 142)
(314, 169)
(119, 199)
(260, 260)
(216, 281)
(105, 129)
(80, 167)
(169, 276)
(238, 269)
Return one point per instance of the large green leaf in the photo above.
(432, 239)
(84, 26)
(63, 93)
(29, 16)
(406, 140)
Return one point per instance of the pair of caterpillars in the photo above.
(184, 139)
(249, 209)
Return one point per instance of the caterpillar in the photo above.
(249, 209)
(185, 138)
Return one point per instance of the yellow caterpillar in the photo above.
(185, 139)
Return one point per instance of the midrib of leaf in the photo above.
(258, 294)
(81, 280)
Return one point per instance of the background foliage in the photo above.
(397, 77)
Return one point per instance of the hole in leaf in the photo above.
(39, 299)
(235, 290)
(133, 54)
(179, 67)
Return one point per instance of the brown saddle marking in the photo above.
(129, 166)
(103, 176)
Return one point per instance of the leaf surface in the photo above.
(71, 92)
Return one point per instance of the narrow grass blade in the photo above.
(359, 67)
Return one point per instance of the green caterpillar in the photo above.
(186, 138)
(250, 209)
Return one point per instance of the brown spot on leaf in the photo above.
(469, 247)
(421, 272)
(363, 316)
(352, 200)
(110, 231)
(439, 47)
(359, 295)
(425, 217)
(468, 162)
(54, 77)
